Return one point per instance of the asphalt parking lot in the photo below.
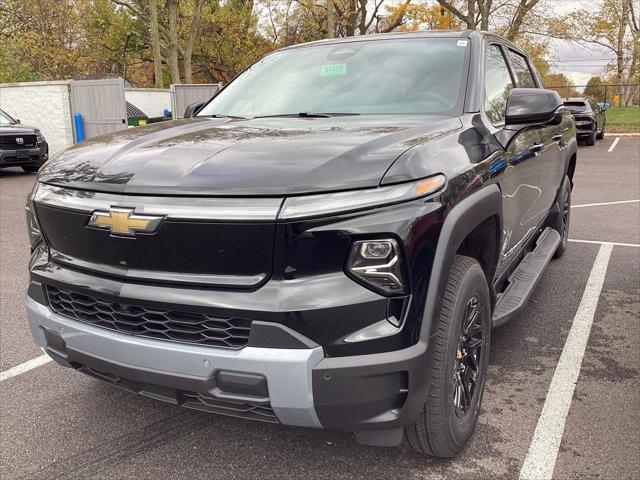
(56, 423)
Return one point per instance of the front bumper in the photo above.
(372, 395)
(25, 157)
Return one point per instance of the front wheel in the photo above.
(31, 168)
(461, 352)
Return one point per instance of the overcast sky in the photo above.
(578, 62)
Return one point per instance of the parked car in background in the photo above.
(328, 242)
(20, 145)
(590, 118)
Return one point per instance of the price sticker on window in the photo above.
(333, 69)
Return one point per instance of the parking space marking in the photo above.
(25, 367)
(604, 203)
(613, 145)
(598, 242)
(543, 451)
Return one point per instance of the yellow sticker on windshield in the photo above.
(333, 69)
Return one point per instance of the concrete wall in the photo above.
(44, 105)
(151, 101)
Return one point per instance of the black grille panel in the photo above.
(10, 142)
(253, 411)
(176, 326)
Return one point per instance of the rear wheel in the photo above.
(461, 349)
(564, 216)
(590, 141)
(600, 136)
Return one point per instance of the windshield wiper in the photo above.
(309, 115)
(222, 115)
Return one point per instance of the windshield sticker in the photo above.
(462, 43)
(333, 69)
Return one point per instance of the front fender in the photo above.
(459, 223)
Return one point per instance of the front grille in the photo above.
(10, 142)
(173, 325)
(234, 408)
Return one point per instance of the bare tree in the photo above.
(475, 14)
(173, 47)
(188, 50)
(155, 43)
(515, 25)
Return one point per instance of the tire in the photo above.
(590, 141)
(600, 136)
(31, 168)
(563, 220)
(443, 429)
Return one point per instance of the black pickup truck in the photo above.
(20, 145)
(328, 242)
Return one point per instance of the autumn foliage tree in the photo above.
(157, 42)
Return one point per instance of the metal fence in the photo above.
(608, 93)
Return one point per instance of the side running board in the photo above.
(525, 277)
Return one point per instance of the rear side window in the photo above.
(524, 77)
(497, 84)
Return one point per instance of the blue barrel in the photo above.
(78, 125)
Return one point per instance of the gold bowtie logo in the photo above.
(124, 221)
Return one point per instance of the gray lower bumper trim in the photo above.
(288, 371)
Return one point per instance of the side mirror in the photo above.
(192, 109)
(18, 120)
(531, 106)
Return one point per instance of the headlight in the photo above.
(39, 137)
(329, 203)
(378, 264)
(33, 228)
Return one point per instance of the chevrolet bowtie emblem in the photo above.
(124, 221)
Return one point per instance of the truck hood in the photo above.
(17, 129)
(257, 157)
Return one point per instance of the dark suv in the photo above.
(20, 145)
(327, 243)
(590, 119)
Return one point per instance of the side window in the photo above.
(522, 71)
(497, 84)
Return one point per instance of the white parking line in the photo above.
(613, 145)
(604, 203)
(25, 367)
(636, 245)
(543, 451)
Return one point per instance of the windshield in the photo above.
(6, 119)
(577, 107)
(369, 77)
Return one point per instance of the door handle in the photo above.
(536, 148)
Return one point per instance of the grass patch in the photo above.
(623, 119)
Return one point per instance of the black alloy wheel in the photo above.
(460, 350)
(467, 368)
(564, 217)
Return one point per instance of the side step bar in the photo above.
(525, 277)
